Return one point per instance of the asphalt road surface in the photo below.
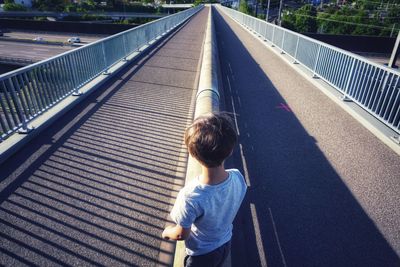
(95, 188)
(51, 37)
(29, 51)
(323, 191)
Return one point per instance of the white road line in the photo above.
(248, 135)
(277, 238)
(229, 84)
(230, 69)
(235, 117)
(244, 162)
(240, 102)
(260, 246)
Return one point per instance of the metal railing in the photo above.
(374, 87)
(30, 91)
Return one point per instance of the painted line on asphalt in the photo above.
(230, 68)
(260, 246)
(277, 237)
(244, 163)
(240, 102)
(229, 84)
(235, 117)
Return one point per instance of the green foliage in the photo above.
(197, 2)
(352, 19)
(13, 7)
(306, 19)
(70, 8)
(244, 7)
(301, 20)
(289, 20)
(49, 5)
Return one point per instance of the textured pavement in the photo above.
(323, 190)
(95, 188)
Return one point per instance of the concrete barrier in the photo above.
(207, 101)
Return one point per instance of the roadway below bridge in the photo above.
(29, 52)
(50, 36)
(96, 187)
(323, 191)
(19, 48)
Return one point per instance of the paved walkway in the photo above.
(323, 190)
(95, 188)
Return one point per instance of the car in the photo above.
(38, 39)
(74, 40)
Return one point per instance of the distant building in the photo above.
(27, 3)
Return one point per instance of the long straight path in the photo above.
(95, 188)
(323, 191)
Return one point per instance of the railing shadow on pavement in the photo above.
(97, 190)
(298, 211)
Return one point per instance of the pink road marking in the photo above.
(284, 106)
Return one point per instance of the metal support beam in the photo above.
(395, 52)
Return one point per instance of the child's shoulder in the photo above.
(192, 189)
(235, 172)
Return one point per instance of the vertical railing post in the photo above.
(273, 36)
(283, 41)
(76, 92)
(345, 96)
(18, 106)
(316, 62)
(297, 48)
(104, 59)
(125, 49)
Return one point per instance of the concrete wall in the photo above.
(366, 44)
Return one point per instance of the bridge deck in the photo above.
(95, 188)
(323, 190)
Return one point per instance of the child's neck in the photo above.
(213, 176)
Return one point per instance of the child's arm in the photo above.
(176, 232)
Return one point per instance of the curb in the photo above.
(207, 101)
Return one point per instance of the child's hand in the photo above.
(165, 232)
(176, 232)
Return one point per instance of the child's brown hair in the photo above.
(211, 138)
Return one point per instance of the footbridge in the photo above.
(92, 155)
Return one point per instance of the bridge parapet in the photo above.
(28, 92)
(374, 87)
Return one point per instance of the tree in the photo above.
(288, 20)
(50, 5)
(244, 7)
(306, 19)
(13, 7)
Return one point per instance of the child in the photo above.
(205, 208)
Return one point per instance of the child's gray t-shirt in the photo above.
(209, 211)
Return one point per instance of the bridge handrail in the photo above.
(374, 87)
(27, 92)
